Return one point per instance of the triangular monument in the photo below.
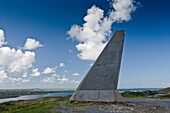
(100, 83)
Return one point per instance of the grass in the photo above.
(44, 105)
(148, 94)
(52, 104)
(129, 94)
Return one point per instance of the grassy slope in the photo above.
(44, 105)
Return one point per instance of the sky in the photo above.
(52, 44)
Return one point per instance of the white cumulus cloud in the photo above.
(70, 51)
(62, 65)
(31, 44)
(3, 76)
(55, 78)
(25, 75)
(49, 70)
(2, 38)
(122, 10)
(59, 80)
(92, 35)
(76, 74)
(25, 80)
(16, 60)
(51, 79)
(18, 80)
(35, 72)
(74, 81)
(16, 64)
(62, 79)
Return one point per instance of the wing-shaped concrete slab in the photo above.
(100, 83)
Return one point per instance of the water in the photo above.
(61, 94)
(31, 97)
(138, 89)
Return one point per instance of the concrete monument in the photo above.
(100, 83)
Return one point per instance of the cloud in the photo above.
(51, 79)
(70, 51)
(18, 80)
(25, 80)
(122, 10)
(76, 74)
(3, 76)
(31, 44)
(62, 80)
(49, 70)
(48, 80)
(16, 60)
(15, 64)
(35, 72)
(59, 80)
(74, 81)
(62, 65)
(2, 38)
(55, 79)
(89, 45)
(91, 64)
(92, 35)
(25, 75)
(65, 71)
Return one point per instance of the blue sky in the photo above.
(146, 53)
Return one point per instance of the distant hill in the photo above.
(162, 93)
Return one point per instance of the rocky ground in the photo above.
(131, 106)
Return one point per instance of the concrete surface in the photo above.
(100, 83)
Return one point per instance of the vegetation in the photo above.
(16, 93)
(164, 93)
(53, 104)
(129, 94)
(44, 105)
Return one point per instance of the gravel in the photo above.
(130, 106)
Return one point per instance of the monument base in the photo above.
(97, 96)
